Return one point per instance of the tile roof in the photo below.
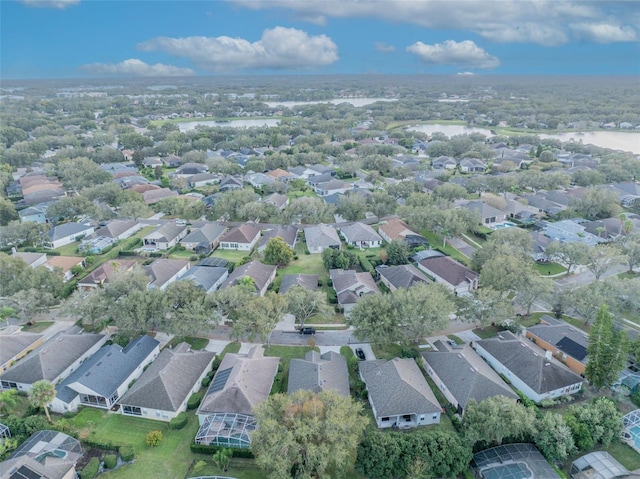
(319, 373)
(395, 228)
(169, 380)
(397, 387)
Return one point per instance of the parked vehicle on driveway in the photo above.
(360, 354)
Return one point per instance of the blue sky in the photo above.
(93, 38)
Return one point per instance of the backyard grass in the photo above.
(170, 459)
(386, 351)
(300, 194)
(238, 468)
(306, 263)
(487, 332)
(436, 243)
(528, 321)
(625, 455)
(546, 269)
(70, 249)
(231, 255)
(181, 254)
(37, 327)
(195, 343)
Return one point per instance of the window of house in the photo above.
(9, 385)
(114, 398)
(132, 410)
(384, 419)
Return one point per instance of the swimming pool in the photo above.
(506, 224)
(634, 432)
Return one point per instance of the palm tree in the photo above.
(41, 394)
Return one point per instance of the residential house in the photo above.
(462, 376)
(152, 162)
(331, 187)
(32, 259)
(281, 175)
(258, 180)
(188, 170)
(540, 244)
(242, 238)
(229, 183)
(162, 392)
(116, 230)
(607, 229)
(319, 372)
(399, 394)
(202, 179)
(45, 455)
(321, 237)
(350, 286)
(395, 229)
(455, 276)
(628, 193)
(67, 233)
(208, 278)
(53, 361)
(103, 378)
(104, 273)
(307, 281)
(66, 264)
(14, 344)
(34, 214)
(570, 231)
(361, 235)
(208, 234)
(288, 233)
(162, 272)
(487, 214)
(566, 343)
(164, 237)
(240, 384)
(278, 200)
(171, 161)
(261, 274)
(151, 197)
(472, 165)
(402, 276)
(529, 369)
(444, 163)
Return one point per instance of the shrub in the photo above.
(295, 257)
(91, 469)
(154, 438)
(194, 401)
(206, 381)
(179, 421)
(127, 453)
(210, 450)
(110, 461)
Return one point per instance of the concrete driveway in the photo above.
(366, 348)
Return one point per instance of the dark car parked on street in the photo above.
(307, 330)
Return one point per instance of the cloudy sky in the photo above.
(103, 38)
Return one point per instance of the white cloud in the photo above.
(136, 68)
(465, 74)
(279, 48)
(544, 22)
(59, 4)
(465, 54)
(384, 47)
(604, 32)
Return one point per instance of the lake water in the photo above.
(616, 140)
(357, 102)
(191, 125)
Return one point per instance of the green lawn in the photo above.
(435, 241)
(238, 468)
(528, 321)
(300, 194)
(487, 332)
(37, 327)
(306, 263)
(230, 348)
(546, 269)
(230, 255)
(625, 455)
(181, 254)
(386, 351)
(455, 339)
(628, 275)
(171, 459)
(70, 249)
(195, 343)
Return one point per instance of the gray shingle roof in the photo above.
(288, 233)
(205, 276)
(108, 368)
(565, 337)
(321, 236)
(464, 381)
(248, 383)
(254, 269)
(66, 229)
(359, 232)
(208, 233)
(167, 232)
(449, 269)
(245, 233)
(539, 373)
(308, 281)
(52, 358)
(402, 276)
(398, 387)
(13, 344)
(169, 380)
(161, 270)
(319, 373)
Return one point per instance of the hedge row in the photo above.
(366, 265)
(179, 421)
(210, 450)
(194, 401)
(91, 469)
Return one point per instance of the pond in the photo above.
(191, 125)
(616, 140)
